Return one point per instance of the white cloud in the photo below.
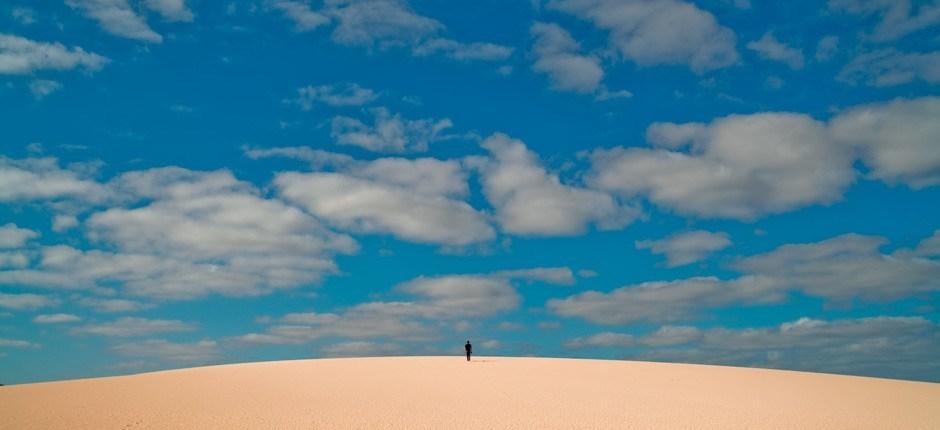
(660, 32)
(43, 87)
(929, 247)
(42, 178)
(317, 158)
(841, 269)
(603, 94)
(890, 67)
(25, 301)
(551, 275)
(56, 318)
(130, 327)
(62, 223)
(897, 140)
(333, 95)
(384, 24)
(388, 132)
(20, 56)
(605, 339)
(14, 259)
(12, 236)
(557, 55)
(118, 18)
(424, 175)
(305, 18)
(768, 47)
(476, 51)
(826, 48)
(671, 335)
(15, 343)
(361, 349)
(186, 234)
(113, 305)
(665, 301)
(448, 298)
(226, 238)
(196, 352)
(845, 267)
(379, 22)
(410, 213)
(898, 17)
(686, 247)
(741, 166)
(895, 347)
(531, 201)
(170, 10)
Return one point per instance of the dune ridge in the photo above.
(487, 393)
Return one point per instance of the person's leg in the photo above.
(468, 356)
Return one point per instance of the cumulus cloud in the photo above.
(132, 327)
(20, 302)
(16, 343)
(389, 132)
(379, 22)
(557, 55)
(185, 234)
(20, 56)
(118, 18)
(43, 179)
(425, 175)
(476, 51)
(304, 18)
(740, 166)
(768, 47)
(56, 318)
(686, 247)
(385, 24)
(898, 18)
(664, 336)
(337, 95)
(113, 305)
(448, 298)
(665, 301)
(890, 67)
(897, 140)
(846, 267)
(661, 32)
(887, 346)
(190, 353)
(929, 247)
(12, 236)
(170, 10)
(532, 201)
(746, 166)
(361, 349)
(605, 339)
(840, 269)
(418, 214)
(413, 199)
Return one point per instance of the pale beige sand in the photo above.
(489, 393)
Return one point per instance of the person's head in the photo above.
(468, 342)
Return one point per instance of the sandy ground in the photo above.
(489, 393)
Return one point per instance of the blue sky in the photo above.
(733, 182)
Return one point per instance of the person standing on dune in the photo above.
(469, 348)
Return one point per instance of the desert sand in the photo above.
(488, 393)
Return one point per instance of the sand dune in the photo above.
(491, 392)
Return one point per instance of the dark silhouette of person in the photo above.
(469, 348)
